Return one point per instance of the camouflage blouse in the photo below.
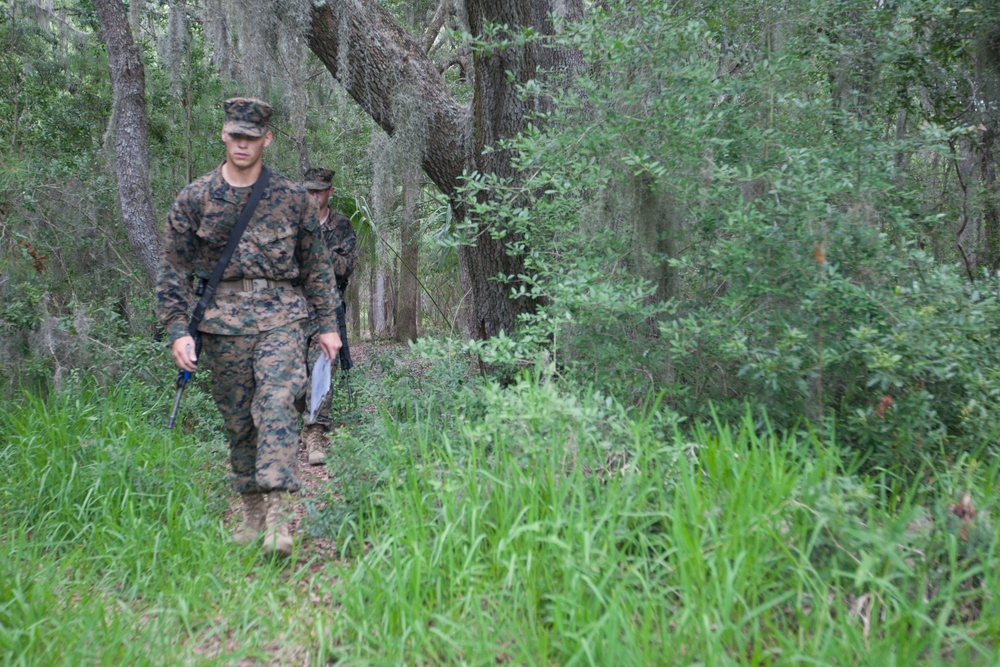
(281, 242)
(342, 242)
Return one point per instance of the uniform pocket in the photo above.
(272, 234)
(275, 246)
(213, 234)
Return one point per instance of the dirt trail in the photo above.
(315, 481)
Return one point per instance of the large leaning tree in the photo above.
(383, 67)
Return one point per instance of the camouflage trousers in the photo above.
(313, 352)
(255, 380)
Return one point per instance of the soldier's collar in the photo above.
(221, 189)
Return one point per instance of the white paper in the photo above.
(320, 384)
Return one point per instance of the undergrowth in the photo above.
(535, 525)
(481, 524)
(112, 549)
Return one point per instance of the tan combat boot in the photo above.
(253, 518)
(316, 442)
(277, 531)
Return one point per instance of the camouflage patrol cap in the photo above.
(318, 179)
(245, 115)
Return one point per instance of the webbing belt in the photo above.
(250, 285)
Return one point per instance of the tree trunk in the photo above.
(373, 57)
(384, 302)
(16, 76)
(299, 112)
(353, 297)
(131, 137)
(437, 22)
(991, 212)
(188, 101)
(372, 290)
(409, 290)
(499, 112)
(392, 300)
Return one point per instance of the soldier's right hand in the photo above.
(184, 355)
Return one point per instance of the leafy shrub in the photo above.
(738, 238)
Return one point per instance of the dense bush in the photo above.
(710, 221)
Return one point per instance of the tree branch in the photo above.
(375, 60)
(435, 25)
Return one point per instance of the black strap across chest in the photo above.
(234, 239)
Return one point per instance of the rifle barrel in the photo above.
(177, 405)
(347, 382)
(182, 380)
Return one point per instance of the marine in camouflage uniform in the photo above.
(252, 333)
(341, 241)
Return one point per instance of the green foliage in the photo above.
(359, 460)
(73, 297)
(560, 527)
(932, 356)
(510, 524)
(55, 90)
(732, 205)
(728, 209)
(83, 440)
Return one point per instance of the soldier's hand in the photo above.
(330, 343)
(184, 355)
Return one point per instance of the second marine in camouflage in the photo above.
(341, 242)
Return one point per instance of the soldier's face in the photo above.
(322, 198)
(243, 151)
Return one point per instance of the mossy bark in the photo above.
(128, 84)
(406, 310)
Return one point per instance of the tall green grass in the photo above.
(112, 549)
(561, 530)
(517, 525)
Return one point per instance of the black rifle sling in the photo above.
(227, 254)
